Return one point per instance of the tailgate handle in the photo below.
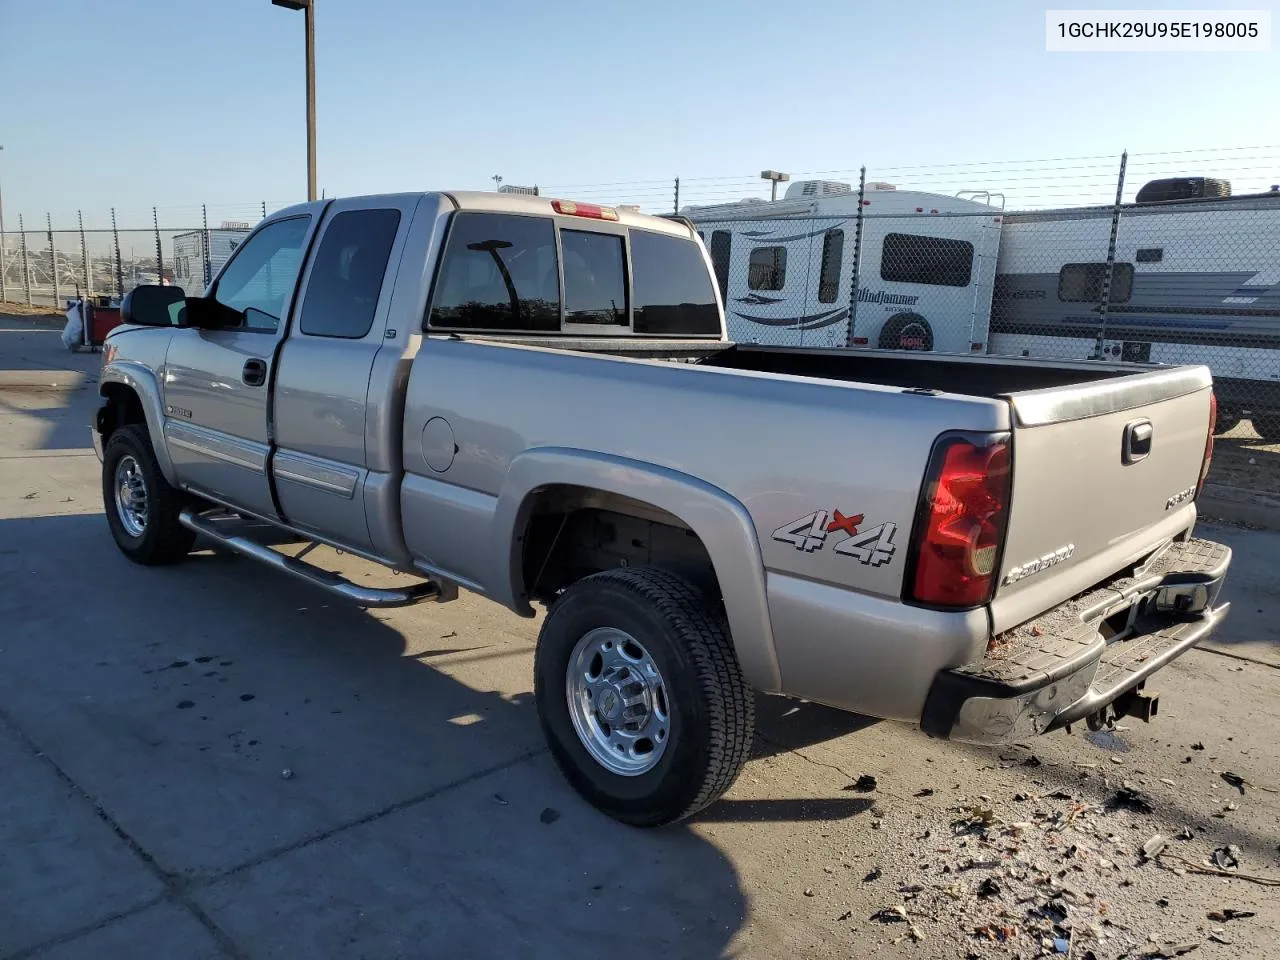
(1137, 441)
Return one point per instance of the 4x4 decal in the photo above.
(873, 547)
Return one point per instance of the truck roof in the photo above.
(489, 202)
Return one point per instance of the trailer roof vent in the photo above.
(1183, 188)
(817, 188)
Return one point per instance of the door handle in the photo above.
(254, 373)
(1137, 441)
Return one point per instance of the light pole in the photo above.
(775, 178)
(308, 8)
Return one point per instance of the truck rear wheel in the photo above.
(142, 507)
(641, 697)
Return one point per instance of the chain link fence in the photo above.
(47, 264)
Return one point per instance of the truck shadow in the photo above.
(47, 393)
(246, 730)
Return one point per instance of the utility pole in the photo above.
(308, 8)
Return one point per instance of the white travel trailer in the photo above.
(1196, 279)
(189, 254)
(785, 267)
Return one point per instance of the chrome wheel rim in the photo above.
(131, 496)
(618, 702)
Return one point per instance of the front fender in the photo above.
(720, 521)
(142, 381)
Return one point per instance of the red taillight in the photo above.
(960, 522)
(592, 210)
(1208, 443)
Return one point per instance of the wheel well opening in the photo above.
(123, 407)
(572, 532)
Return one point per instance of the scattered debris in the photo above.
(1061, 945)
(286, 774)
(864, 784)
(500, 800)
(1032, 761)
(1225, 858)
(1197, 745)
(847, 915)
(1223, 916)
(916, 933)
(246, 697)
(989, 888)
(1173, 949)
(1194, 867)
(891, 915)
(1163, 902)
(1117, 759)
(186, 704)
(1219, 938)
(808, 891)
(1153, 846)
(1186, 834)
(874, 875)
(926, 792)
(1127, 798)
(549, 815)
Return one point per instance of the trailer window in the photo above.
(1082, 282)
(346, 280)
(832, 257)
(671, 290)
(499, 273)
(908, 258)
(595, 282)
(721, 245)
(767, 269)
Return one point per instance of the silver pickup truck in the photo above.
(534, 400)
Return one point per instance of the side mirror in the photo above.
(153, 305)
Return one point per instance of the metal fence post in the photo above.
(53, 260)
(857, 255)
(1105, 294)
(264, 209)
(4, 267)
(26, 263)
(84, 258)
(115, 234)
(155, 222)
(675, 210)
(204, 242)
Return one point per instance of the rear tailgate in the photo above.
(1086, 500)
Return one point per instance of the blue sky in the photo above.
(181, 102)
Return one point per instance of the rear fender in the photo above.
(720, 522)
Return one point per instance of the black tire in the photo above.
(712, 707)
(906, 331)
(1267, 427)
(162, 539)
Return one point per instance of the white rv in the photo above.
(785, 267)
(189, 254)
(1196, 279)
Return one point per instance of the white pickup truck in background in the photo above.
(534, 400)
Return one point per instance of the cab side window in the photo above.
(499, 273)
(346, 281)
(258, 281)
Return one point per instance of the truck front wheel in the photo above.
(641, 697)
(142, 508)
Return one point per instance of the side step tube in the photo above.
(364, 596)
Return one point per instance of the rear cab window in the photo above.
(521, 274)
